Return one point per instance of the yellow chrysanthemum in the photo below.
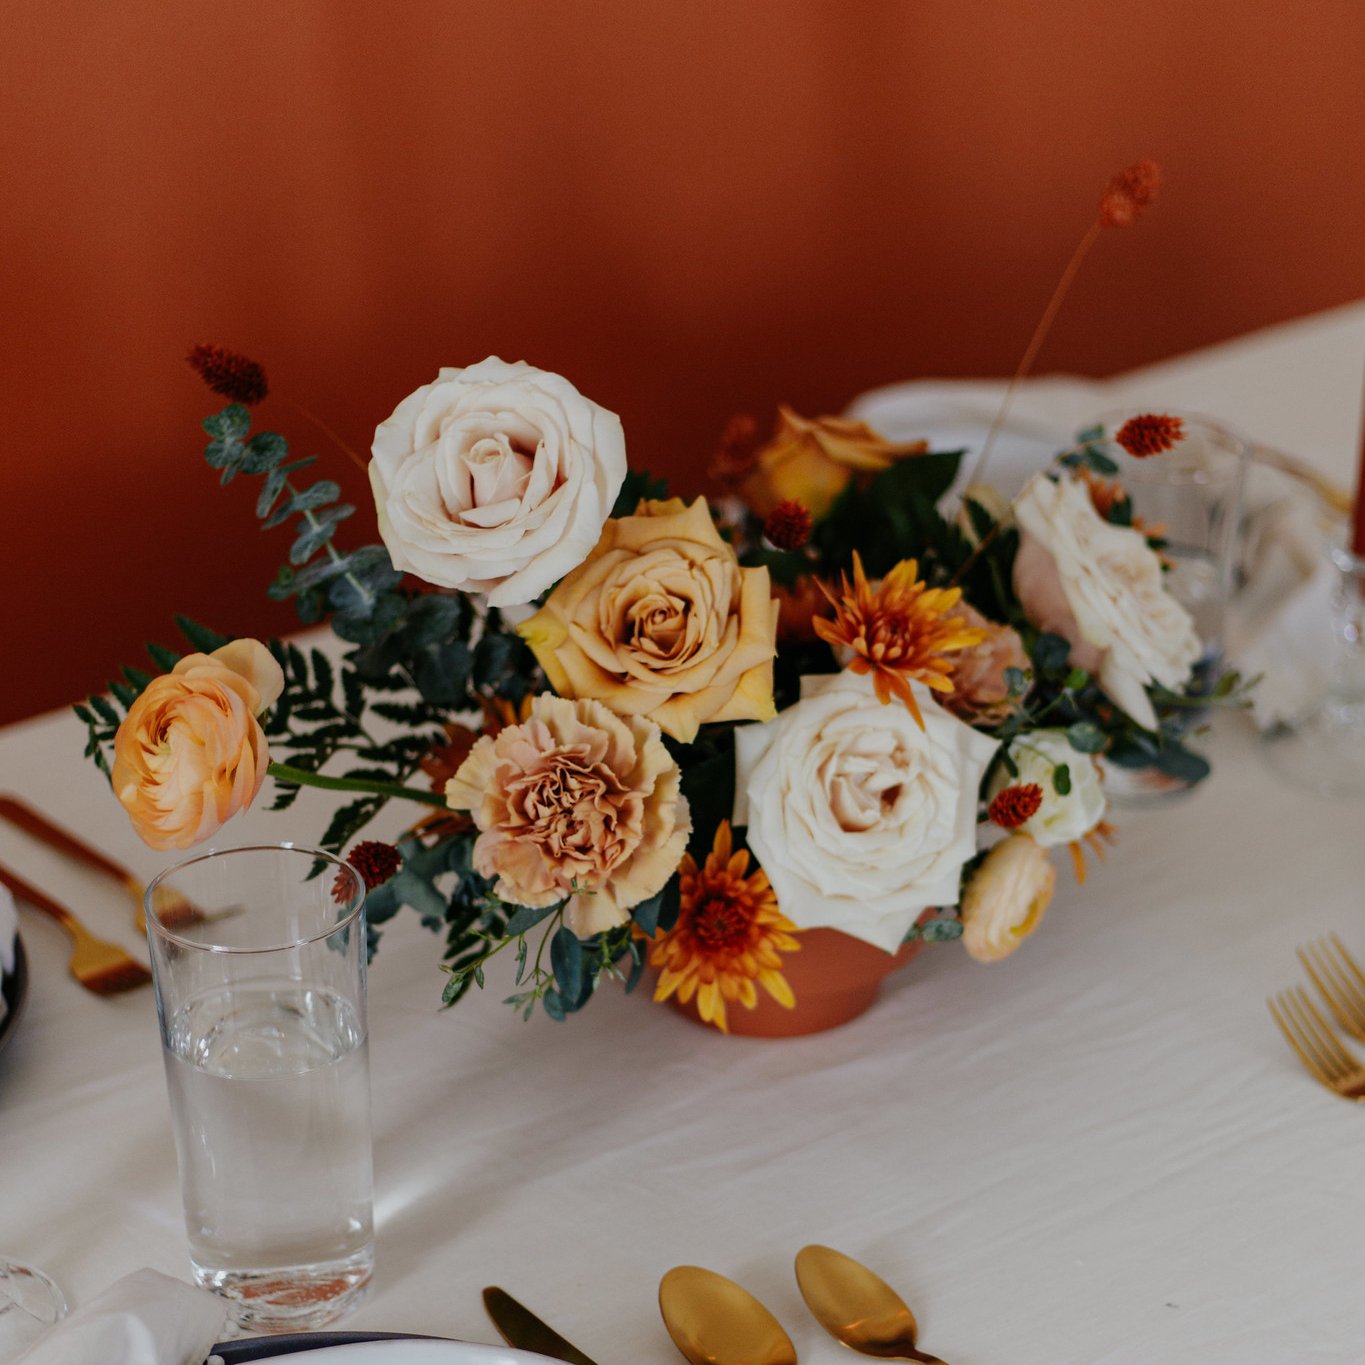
(728, 939)
(898, 631)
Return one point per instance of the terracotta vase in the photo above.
(834, 978)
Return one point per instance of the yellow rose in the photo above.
(661, 621)
(1005, 898)
(190, 753)
(812, 459)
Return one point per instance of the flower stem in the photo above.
(1036, 342)
(285, 772)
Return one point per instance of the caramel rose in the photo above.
(190, 753)
(575, 803)
(660, 620)
(810, 460)
(981, 693)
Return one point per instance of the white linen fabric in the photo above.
(146, 1318)
(1099, 1152)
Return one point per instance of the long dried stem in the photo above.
(1036, 342)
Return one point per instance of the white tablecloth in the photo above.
(1099, 1151)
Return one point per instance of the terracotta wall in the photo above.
(688, 206)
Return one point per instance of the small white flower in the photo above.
(497, 479)
(1059, 819)
(860, 818)
(1101, 586)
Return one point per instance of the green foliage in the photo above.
(640, 485)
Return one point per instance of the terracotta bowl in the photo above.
(835, 978)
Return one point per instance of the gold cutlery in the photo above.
(519, 1327)
(857, 1307)
(99, 966)
(1339, 980)
(714, 1322)
(1310, 1035)
(172, 908)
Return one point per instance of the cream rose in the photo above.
(662, 621)
(190, 753)
(860, 819)
(495, 479)
(1100, 586)
(1005, 898)
(1059, 819)
(575, 803)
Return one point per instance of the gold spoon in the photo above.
(857, 1307)
(714, 1322)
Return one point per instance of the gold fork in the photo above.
(172, 909)
(1311, 1036)
(1339, 980)
(99, 966)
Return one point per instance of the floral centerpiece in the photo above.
(657, 733)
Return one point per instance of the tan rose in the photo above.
(575, 803)
(1005, 898)
(661, 621)
(190, 753)
(980, 692)
(812, 459)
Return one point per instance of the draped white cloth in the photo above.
(1099, 1152)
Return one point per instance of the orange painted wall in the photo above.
(690, 207)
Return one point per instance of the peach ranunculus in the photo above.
(1005, 898)
(495, 478)
(810, 460)
(191, 753)
(661, 621)
(575, 804)
(981, 693)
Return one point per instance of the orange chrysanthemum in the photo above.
(898, 631)
(729, 937)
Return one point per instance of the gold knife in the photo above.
(521, 1328)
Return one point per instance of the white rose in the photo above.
(1005, 898)
(1058, 819)
(1112, 598)
(860, 819)
(497, 478)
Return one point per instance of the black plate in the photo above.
(14, 988)
(268, 1348)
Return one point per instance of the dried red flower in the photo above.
(1150, 433)
(375, 861)
(737, 450)
(1016, 805)
(230, 374)
(788, 524)
(1128, 193)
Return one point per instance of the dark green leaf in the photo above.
(924, 476)
(494, 657)
(165, 659)
(553, 1006)
(201, 638)
(104, 710)
(639, 484)
(1086, 737)
(1179, 762)
(659, 912)
(1077, 679)
(566, 961)
(526, 917)
(941, 930)
(263, 451)
(1050, 652)
(316, 531)
(1061, 779)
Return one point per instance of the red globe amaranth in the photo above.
(1150, 433)
(1016, 805)
(232, 375)
(788, 525)
(1128, 193)
(375, 861)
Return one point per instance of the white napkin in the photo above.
(146, 1318)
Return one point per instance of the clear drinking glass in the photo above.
(1192, 496)
(1323, 750)
(29, 1304)
(260, 991)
